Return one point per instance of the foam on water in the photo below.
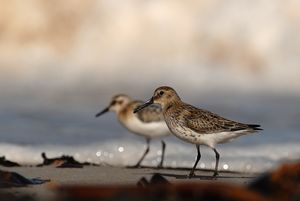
(122, 152)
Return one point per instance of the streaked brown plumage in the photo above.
(203, 121)
(197, 126)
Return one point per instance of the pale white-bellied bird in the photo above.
(194, 125)
(148, 123)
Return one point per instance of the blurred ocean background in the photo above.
(62, 61)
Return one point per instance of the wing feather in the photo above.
(152, 113)
(203, 121)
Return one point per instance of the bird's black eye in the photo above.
(161, 93)
(113, 102)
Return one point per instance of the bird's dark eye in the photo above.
(113, 102)
(161, 93)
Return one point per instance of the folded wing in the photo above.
(203, 121)
(152, 113)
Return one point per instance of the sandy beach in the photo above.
(104, 175)
(107, 175)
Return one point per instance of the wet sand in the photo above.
(106, 175)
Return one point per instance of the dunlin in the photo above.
(148, 123)
(196, 126)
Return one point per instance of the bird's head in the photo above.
(162, 96)
(117, 103)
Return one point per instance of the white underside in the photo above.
(149, 130)
(210, 140)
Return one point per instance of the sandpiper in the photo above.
(148, 123)
(196, 126)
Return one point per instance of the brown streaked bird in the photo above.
(196, 126)
(148, 123)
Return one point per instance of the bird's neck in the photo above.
(124, 112)
(171, 104)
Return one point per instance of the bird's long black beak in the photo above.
(140, 107)
(102, 112)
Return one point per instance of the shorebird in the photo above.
(196, 126)
(148, 123)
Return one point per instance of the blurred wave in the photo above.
(110, 45)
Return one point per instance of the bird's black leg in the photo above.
(162, 154)
(196, 162)
(217, 163)
(145, 153)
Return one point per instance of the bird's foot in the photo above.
(191, 175)
(160, 166)
(134, 166)
(215, 175)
